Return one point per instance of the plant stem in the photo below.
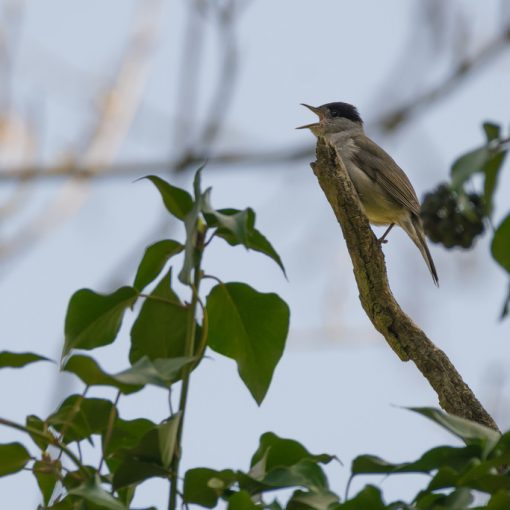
(72, 414)
(108, 434)
(189, 352)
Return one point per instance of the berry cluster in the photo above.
(452, 219)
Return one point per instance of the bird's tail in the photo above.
(414, 230)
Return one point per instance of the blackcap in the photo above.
(386, 194)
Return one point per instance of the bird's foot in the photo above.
(383, 239)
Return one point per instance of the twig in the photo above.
(109, 430)
(120, 105)
(138, 168)
(463, 69)
(189, 352)
(407, 340)
(224, 91)
(72, 415)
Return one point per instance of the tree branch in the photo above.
(407, 340)
(462, 70)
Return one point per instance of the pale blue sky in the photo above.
(338, 381)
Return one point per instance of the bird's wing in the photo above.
(381, 167)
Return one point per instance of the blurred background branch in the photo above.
(443, 52)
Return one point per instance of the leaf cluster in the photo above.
(487, 161)
(168, 340)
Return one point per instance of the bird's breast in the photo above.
(378, 205)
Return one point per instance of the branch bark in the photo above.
(407, 340)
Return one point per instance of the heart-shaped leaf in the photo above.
(178, 202)
(501, 244)
(154, 259)
(93, 320)
(251, 328)
(13, 458)
(92, 491)
(160, 329)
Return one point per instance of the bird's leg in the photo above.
(382, 239)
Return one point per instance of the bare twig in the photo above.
(103, 169)
(119, 108)
(189, 77)
(109, 429)
(463, 69)
(224, 92)
(407, 340)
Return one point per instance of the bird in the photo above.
(387, 196)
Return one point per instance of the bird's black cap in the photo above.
(345, 110)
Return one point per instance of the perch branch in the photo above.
(407, 340)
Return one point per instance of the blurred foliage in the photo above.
(454, 216)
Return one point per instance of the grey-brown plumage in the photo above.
(385, 192)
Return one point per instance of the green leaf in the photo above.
(488, 475)
(491, 169)
(468, 164)
(75, 478)
(371, 464)
(193, 230)
(236, 223)
(305, 473)
(63, 504)
(369, 498)
(203, 486)
(280, 463)
(157, 372)
(275, 452)
(149, 458)
(251, 238)
(178, 202)
(241, 501)
(160, 329)
(92, 374)
(34, 422)
(499, 501)
(251, 328)
(46, 474)
(444, 478)
(93, 320)
(126, 434)
(257, 242)
(460, 498)
(19, 359)
(301, 500)
(79, 417)
(469, 431)
(13, 458)
(167, 432)
(132, 471)
(458, 458)
(126, 495)
(501, 244)
(492, 130)
(154, 259)
(92, 491)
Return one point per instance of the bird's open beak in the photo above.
(315, 110)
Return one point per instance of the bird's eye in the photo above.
(334, 113)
